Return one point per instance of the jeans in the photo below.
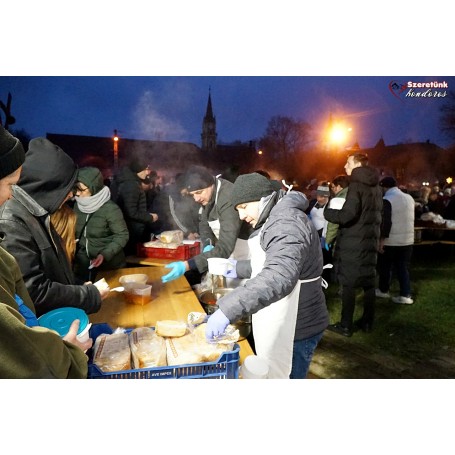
(398, 258)
(302, 354)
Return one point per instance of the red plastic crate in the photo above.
(181, 252)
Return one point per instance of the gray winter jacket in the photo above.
(293, 251)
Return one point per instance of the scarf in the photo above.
(92, 203)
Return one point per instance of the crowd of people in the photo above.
(60, 225)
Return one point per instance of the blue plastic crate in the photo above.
(226, 367)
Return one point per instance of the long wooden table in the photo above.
(173, 300)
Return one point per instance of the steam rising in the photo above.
(153, 125)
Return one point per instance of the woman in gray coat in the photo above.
(101, 230)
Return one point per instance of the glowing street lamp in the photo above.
(449, 180)
(115, 139)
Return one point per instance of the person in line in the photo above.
(46, 183)
(101, 231)
(339, 188)
(397, 240)
(26, 350)
(222, 233)
(129, 194)
(284, 292)
(64, 222)
(357, 243)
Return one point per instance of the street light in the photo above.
(115, 139)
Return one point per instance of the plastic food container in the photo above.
(218, 266)
(138, 293)
(61, 319)
(254, 368)
(135, 278)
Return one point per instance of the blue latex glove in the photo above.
(29, 316)
(323, 244)
(178, 269)
(232, 272)
(208, 248)
(327, 247)
(216, 325)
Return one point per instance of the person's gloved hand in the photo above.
(232, 271)
(208, 248)
(323, 244)
(327, 247)
(178, 269)
(216, 325)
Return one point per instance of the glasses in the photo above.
(79, 189)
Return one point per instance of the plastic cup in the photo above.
(84, 335)
(254, 368)
(138, 293)
(218, 266)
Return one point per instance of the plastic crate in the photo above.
(185, 251)
(226, 367)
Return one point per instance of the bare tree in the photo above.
(284, 137)
(447, 119)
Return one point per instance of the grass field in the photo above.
(418, 331)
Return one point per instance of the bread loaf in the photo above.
(148, 349)
(112, 352)
(167, 328)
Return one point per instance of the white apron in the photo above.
(274, 326)
(241, 249)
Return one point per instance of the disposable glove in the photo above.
(178, 269)
(216, 325)
(323, 244)
(232, 271)
(30, 317)
(208, 248)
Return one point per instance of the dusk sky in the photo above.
(172, 108)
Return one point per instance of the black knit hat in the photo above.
(138, 165)
(388, 182)
(197, 178)
(251, 187)
(12, 155)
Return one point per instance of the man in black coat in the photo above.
(357, 243)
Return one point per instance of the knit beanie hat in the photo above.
(388, 182)
(138, 165)
(323, 190)
(12, 154)
(197, 178)
(92, 178)
(251, 187)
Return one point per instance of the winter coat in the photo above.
(231, 227)
(332, 229)
(48, 176)
(36, 353)
(359, 223)
(127, 192)
(293, 251)
(400, 230)
(105, 233)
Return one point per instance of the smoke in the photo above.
(152, 124)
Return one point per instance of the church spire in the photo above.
(209, 135)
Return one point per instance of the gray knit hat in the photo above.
(251, 187)
(12, 155)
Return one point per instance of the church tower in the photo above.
(208, 135)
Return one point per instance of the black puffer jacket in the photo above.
(293, 251)
(48, 175)
(359, 223)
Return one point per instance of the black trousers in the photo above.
(348, 305)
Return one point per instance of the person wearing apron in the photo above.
(284, 293)
(221, 231)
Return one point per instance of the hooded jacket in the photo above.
(359, 223)
(130, 197)
(293, 251)
(48, 175)
(105, 233)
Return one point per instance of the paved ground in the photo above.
(338, 357)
